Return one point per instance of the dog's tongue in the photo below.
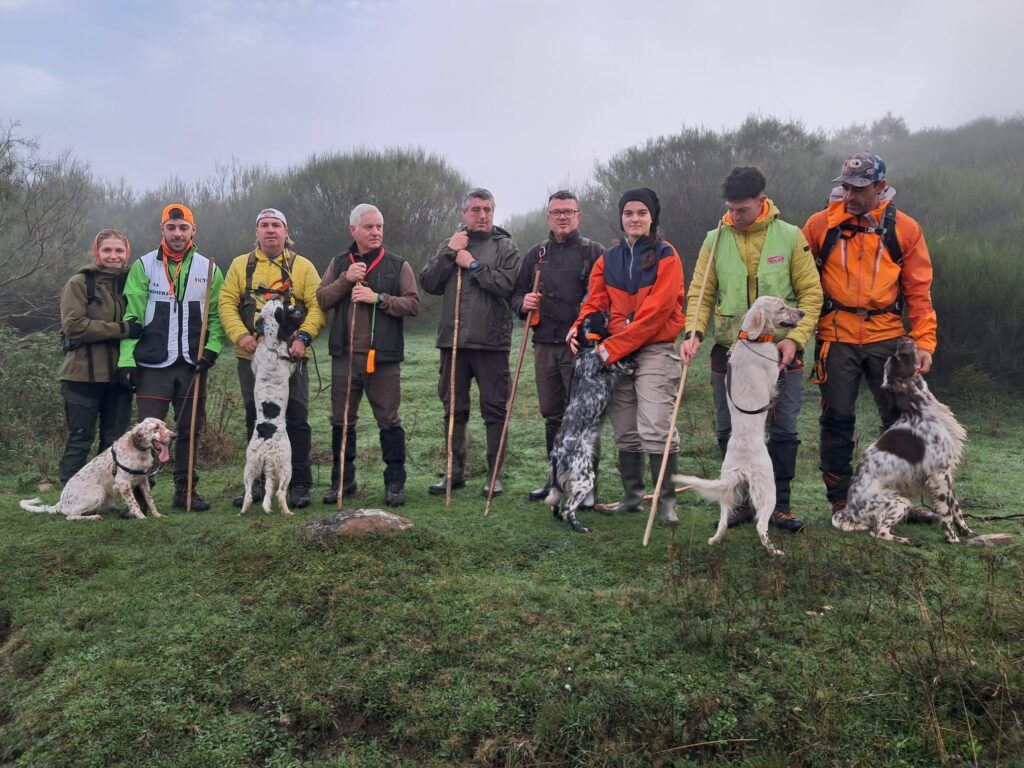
(161, 451)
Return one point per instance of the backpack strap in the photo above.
(887, 231)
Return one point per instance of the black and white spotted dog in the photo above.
(270, 452)
(571, 473)
(915, 456)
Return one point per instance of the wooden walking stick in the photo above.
(511, 401)
(197, 385)
(451, 389)
(679, 393)
(348, 395)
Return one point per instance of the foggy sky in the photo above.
(522, 97)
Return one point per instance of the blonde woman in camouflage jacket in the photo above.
(92, 308)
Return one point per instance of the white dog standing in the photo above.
(270, 452)
(750, 382)
(113, 474)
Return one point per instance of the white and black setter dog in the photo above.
(751, 381)
(269, 454)
(915, 456)
(571, 474)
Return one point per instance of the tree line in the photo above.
(965, 185)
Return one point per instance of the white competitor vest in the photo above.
(173, 318)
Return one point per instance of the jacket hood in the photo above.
(761, 224)
(96, 269)
(837, 212)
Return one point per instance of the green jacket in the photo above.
(92, 330)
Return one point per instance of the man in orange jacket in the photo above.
(875, 269)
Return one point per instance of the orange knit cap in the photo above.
(177, 211)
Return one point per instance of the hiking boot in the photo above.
(786, 521)
(742, 513)
(199, 504)
(394, 495)
(440, 488)
(539, 494)
(331, 497)
(921, 516)
(298, 497)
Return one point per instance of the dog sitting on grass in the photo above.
(915, 456)
(571, 474)
(114, 475)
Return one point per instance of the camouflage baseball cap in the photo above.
(861, 169)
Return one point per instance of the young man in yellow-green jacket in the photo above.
(758, 254)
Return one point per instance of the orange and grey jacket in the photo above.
(861, 281)
(645, 306)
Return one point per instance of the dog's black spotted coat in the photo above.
(916, 456)
(571, 473)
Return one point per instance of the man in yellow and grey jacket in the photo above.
(758, 254)
(274, 265)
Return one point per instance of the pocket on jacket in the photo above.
(152, 346)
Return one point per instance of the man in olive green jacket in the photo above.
(488, 260)
(758, 254)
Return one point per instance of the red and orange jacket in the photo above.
(645, 306)
(859, 273)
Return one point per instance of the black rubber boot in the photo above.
(539, 494)
(351, 488)
(392, 450)
(631, 468)
(493, 442)
(440, 488)
(783, 456)
(667, 496)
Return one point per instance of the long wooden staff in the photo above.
(451, 389)
(691, 321)
(197, 385)
(511, 401)
(348, 395)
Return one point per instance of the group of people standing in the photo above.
(857, 269)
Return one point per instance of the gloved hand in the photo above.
(133, 329)
(207, 360)
(126, 378)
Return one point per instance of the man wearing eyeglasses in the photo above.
(166, 292)
(273, 264)
(488, 260)
(564, 261)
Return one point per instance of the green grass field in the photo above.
(208, 639)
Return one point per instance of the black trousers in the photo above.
(84, 404)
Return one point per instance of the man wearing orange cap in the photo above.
(166, 292)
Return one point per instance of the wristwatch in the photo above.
(382, 298)
(474, 265)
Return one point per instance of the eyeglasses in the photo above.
(562, 214)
